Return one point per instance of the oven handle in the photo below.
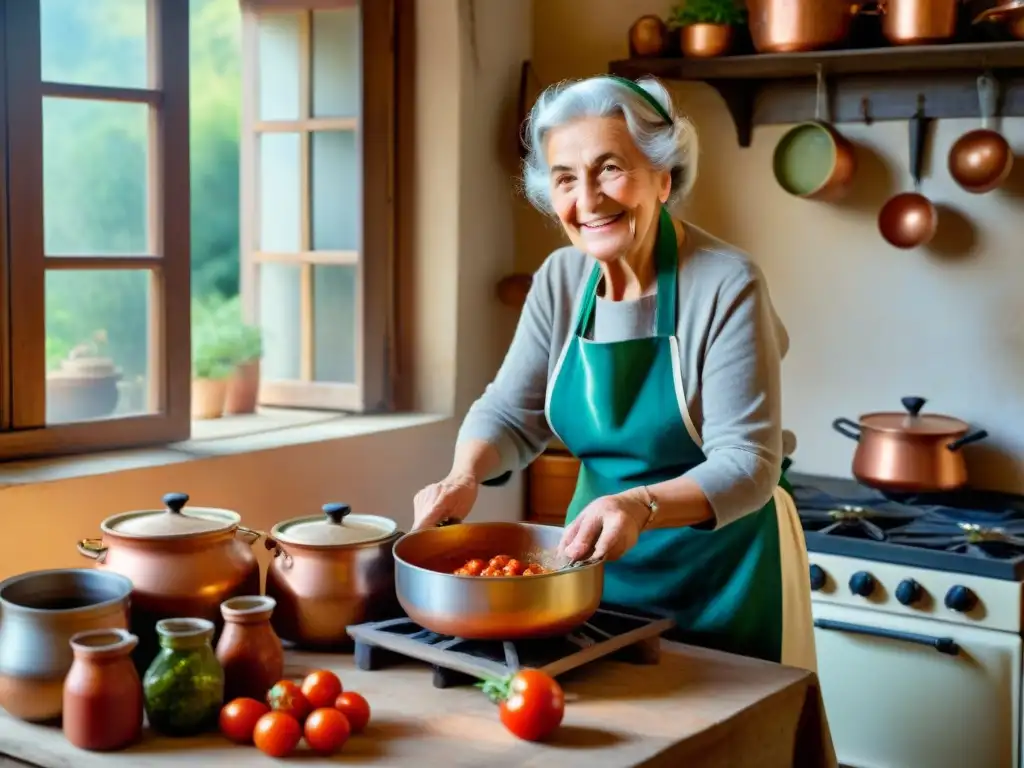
(945, 645)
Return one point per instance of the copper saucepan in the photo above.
(909, 452)
(909, 219)
(789, 26)
(492, 608)
(1011, 14)
(981, 160)
(813, 160)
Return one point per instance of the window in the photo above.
(95, 228)
(94, 279)
(317, 225)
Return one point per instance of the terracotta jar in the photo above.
(331, 571)
(182, 563)
(102, 692)
(249, 650)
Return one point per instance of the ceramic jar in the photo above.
(102, 692)
(184, 686)
(41, 611)
(249, 650)
(183, 562)
(331, 571)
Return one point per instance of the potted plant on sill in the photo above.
(706, 26)
(246, 342)
(213, 362)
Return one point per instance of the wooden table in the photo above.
(696, 708)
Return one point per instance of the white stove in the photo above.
(917, 607)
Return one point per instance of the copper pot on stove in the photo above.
(182, 562)
(791, 26)
(909, 451)
(331, 571)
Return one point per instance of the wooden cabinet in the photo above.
(551, 482)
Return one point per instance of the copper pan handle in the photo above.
(847, 428)
(973, 437)
(92, 549)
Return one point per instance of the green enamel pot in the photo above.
(815, 162)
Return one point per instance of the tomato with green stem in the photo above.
(531, 704)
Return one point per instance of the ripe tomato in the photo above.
(321, 688)
(286, 696)
(530, 703)
(238, 719)
(355, 708)
(277, 734)
(326, 730)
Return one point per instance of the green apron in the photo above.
(614, 406)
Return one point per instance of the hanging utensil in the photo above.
(909, 219)
(981, 159)
(813, 160)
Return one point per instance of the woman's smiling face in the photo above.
(603, 188)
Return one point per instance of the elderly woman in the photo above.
(651, 350)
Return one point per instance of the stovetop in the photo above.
(612, 630)
(968, 531)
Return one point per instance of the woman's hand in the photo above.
(608, 527)
(453, 498)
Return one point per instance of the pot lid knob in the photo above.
(336, 512)
(175, 502)
(913, 404)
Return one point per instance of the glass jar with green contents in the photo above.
(184, 686)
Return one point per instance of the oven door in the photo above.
(907, 692)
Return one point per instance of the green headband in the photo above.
(655, 104)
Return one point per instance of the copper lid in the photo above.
(914, 422)
(173, 522)
(337, 527)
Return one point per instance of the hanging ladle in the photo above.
(909, 219)
(981, 159)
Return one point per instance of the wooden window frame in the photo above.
(375, 129)
(23, 431)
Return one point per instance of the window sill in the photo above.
(266, 430)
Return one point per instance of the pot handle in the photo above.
(92, 549)
(847, 428)
(273, 546)
(973, 437)
(248, 535)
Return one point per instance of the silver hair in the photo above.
(668, 147)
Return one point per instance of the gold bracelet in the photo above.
(652, 508)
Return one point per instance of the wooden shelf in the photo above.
(863, 84)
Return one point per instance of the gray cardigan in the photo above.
(731, 345)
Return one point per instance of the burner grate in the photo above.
(455, 661)
(997, 541)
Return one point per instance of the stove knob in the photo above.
(908, 592)
(960, 598)
(862, 583)
(818, 578)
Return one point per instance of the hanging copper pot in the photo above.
(909, 452)
(981, 160)
(909, 219)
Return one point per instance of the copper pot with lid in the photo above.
(181, 562)
(909, 451)
(331, 571)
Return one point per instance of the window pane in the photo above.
(97, 344)
(281, 321)
(95, 195)
(334, 323)
(335, 195)
(336, 63)
(280, 193)
(279, 66)
(95, 42)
